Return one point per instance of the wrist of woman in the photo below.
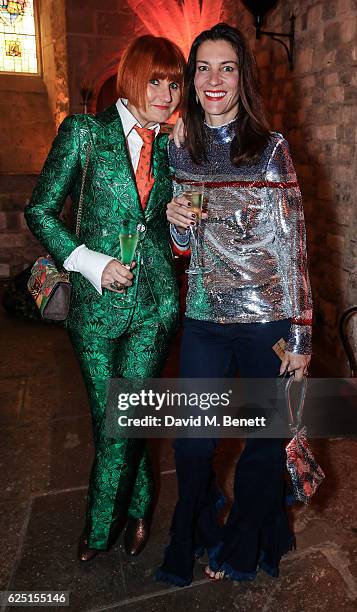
(299, 341)
(180, 236)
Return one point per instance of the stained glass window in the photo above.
(17, 37)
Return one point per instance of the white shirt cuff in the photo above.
(89, 263)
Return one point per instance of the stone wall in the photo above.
(52, 18)
(26, 132)
(30, 109)
(31, 106)
(17, 245)
(315, 106)
(27, 126)
(97, 33)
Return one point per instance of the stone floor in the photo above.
(45, 457)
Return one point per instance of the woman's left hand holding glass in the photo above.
(180, 214)
(295, 364)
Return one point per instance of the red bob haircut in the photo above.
(148, 57)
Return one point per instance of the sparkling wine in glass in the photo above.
(198, 206)
(128, 244)
(128, 237)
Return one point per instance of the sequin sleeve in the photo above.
(180, 241)
(54, 184)
(288, 215)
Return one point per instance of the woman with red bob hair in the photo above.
(116, 162)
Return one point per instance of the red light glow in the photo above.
(180, 23)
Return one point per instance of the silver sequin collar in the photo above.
(222, 133)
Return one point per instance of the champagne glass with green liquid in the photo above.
(128, 236)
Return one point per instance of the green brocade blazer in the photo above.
(110, 195)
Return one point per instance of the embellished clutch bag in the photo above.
(306, 474)
(49, 286)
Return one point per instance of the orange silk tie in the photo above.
(144, 177)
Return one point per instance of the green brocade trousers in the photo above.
(121, 482)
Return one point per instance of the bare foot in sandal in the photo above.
(219, 575)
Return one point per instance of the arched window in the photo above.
(18, 49)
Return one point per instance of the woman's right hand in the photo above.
(115, 273)
(179, 213)
(178, 133)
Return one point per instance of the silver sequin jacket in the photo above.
(254, 238)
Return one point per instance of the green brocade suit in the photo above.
(110, 342)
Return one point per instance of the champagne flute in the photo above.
(128, 237)
(198, 206)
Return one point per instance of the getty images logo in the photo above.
(155, 400)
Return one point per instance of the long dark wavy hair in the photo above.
(252, 131)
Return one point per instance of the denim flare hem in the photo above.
(162, 576)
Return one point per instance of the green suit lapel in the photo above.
(113, 159)
(116, 171)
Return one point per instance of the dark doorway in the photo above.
(107, 95)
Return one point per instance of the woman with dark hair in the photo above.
(127, 181)
(257, 292)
